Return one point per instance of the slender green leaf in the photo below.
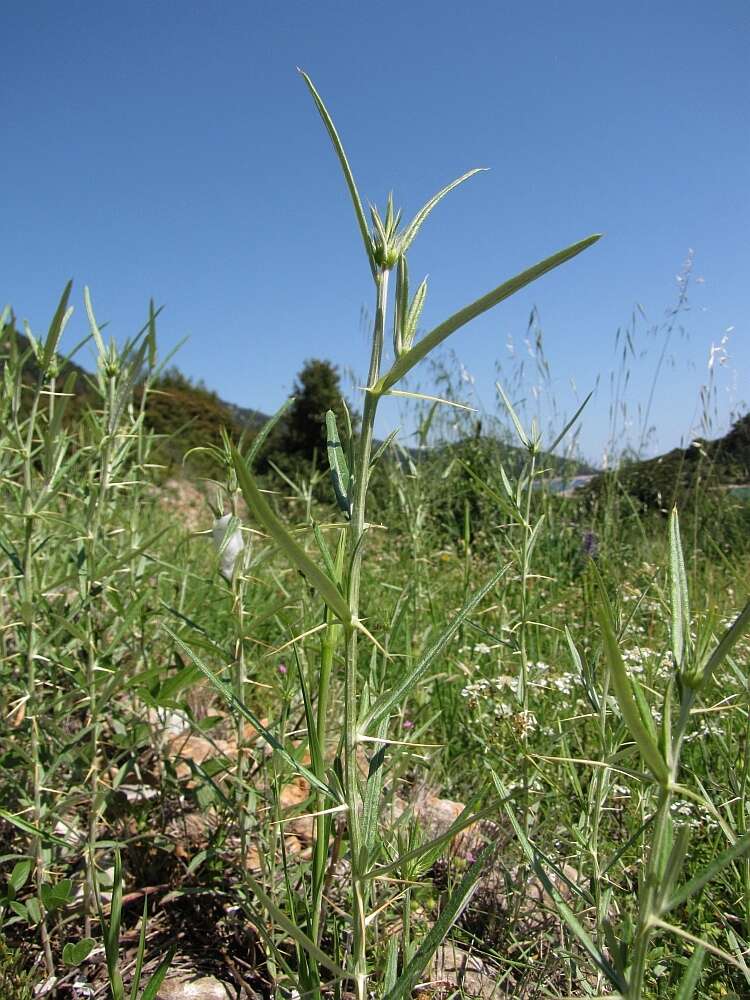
(262, 436)
(740, 847)
(563, 909)
(35, 831)
(255, 500)
(407, 237)
(140, 953)
(625, 698)
(57, 326)
(389, 699)
(93, 325)
(691, 978)
(678, 591)
(727, 642)
(570, 423)
(158, 977)
(440, 929)
(340, 476)
(348, 175)
(293, 931)
(251, 717)
(436, 336)
(467, 818)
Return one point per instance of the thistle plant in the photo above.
(343, 787)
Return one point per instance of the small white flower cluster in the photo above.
(485, 688)
(565, 683)
(688, 814)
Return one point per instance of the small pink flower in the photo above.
(282, 668)
(408, 724)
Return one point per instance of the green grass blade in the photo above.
(374, 788)
(255, 500)
(439, 930)
(252, 718)
(93, 325)
(522, 435)
(58, 324)
(35, 831)
(742, 846)
(294, 932)
(262, 436)
(422, 348)
(689, 981)
(140, 953)
(625, 698)
(564, 910)
(348, 175)
(466, 819)
(570, 423)
(397, 696)
(158, 977)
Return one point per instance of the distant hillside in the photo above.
(676, 476)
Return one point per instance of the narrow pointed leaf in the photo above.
(440, 929)
(262, 436)
(678, 592)
(430, 399)
(466, 818)
(389, 700)
(522, 435)
(158, 977)
(422, 348)
(383, 447)
(740, 847)
(564, 910)
(340, 476)
(727, 642)
(252, 718)
(59, 321)
(570, 423)
(412, 316)
(348, 175)
(626, 699)
(414, 226)
(93, 325)
(691, 978)
(294, 932)
(326, 588)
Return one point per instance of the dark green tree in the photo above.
(317, 389)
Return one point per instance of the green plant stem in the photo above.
(97, 506)
(351, 707)
(525, 571)
(649, 911)
(29, 512)
(322, 823)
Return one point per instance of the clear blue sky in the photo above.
(171, 150)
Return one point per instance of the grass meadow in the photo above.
(407, 723)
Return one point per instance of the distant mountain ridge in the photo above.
(676, 476)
